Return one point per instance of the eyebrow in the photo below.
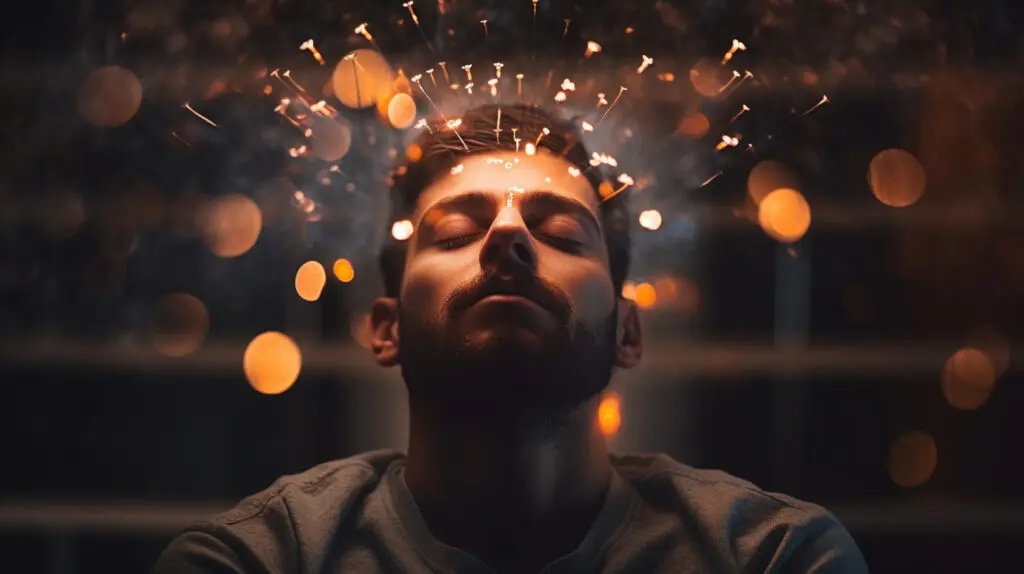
(540, 198)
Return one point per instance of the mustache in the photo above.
(540, 291)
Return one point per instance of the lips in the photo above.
(509, 299)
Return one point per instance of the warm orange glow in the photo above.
(709, 77)
(402, 230)
(330, 139)
(694, 126)
(310, 280)
(605, 189)
(629, 290)
(784, 215)
(913, 458)
(968, 378)
(110, 97)
(896, 177)
(272, 362)
(768, 176)
(645, 295)
(414, 153)
(362, 77)
(344, 271)
(650, 219)
(180, 323)
(402, 111)
(609, 415)
(231, 224)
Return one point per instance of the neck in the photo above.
(476, 483)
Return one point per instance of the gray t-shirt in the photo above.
(660, 516)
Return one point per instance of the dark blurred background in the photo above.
(829, 248)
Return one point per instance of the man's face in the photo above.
(507, 299)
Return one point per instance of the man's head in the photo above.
(506, 298)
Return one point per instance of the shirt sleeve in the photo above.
(195, 552)
(825, 547)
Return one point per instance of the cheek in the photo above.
(588, 284)
(429, 279)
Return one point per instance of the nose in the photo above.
(508, 248)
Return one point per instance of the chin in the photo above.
(500, 342)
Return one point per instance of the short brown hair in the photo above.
(440, 147)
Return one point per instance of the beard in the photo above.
(510, 367)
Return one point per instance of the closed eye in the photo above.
(458, 241)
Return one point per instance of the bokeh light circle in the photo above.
(231, 224)
(272, 362)
(402, 111)
(896, 177)
(344, 270)
(310, 280)
(110, 97)
(766, 177)
(609, 414)
(913, 458)
(331, 139)
(784, 215)
(650, 219)
(179, 325)
(968, 378)
(361, 78)
(402, 230)
(709, 77)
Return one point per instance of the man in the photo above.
(503, 311)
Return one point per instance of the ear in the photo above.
(628, 340)
(384, 331)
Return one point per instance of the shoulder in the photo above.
(740, 517)
(274, 527)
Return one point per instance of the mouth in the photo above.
(508, 299)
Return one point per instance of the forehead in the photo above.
(501, 171)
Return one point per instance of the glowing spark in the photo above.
(531, 148)
(516, 139)
(742, 111)
(710, 179)
(647, 61)
(727, 141)
(543, 133)
(629, 30)
(509, 194)
(519, 86)
(626, 181)
(297, 151)
(568, 85)
(444, 68)
(423, 124)
(667, 77)
(575, 172)
(419, 84)
(735, 75)
(497, 69)
(199, 115)
(736, 46)
(308, 133)
(566, 30)
(308, 45)
(597, 159)
(179, 138)
(453, 124)
(534, 12)
(411, 12)
(601, 101)
(592, 48)
(615, 101)
(430, 73)
(469, 88)
(493, 83)
(288, 76)
(458, 169)
(824, 100)
(560, 97)
(361, 30)
(587, 127)
(469, 73)
(484, 22)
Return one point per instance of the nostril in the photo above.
(522, 253)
